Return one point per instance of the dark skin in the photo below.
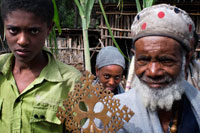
(25, 36)
(165, 117)
(157, 57)
(110, 76)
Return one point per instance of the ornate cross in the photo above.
(79, 110)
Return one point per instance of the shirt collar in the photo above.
(6, 63)
(51, 72)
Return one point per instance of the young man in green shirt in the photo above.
(32, 83)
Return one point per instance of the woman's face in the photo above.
(110, 76)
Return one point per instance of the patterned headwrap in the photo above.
(164, 20)
(110, 56)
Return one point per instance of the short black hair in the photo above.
(44, 9)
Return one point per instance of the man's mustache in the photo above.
(159, 80)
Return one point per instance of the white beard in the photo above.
(162, 98)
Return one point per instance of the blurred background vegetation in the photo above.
(67, 13)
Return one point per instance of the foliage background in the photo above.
(67, 13)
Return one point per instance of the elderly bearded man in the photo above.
(160, 97)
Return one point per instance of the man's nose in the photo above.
(154, 70)
(23, 39)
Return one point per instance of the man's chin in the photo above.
(159, 96)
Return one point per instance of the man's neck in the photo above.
(165, 118)
(25, 73)
(170, 116)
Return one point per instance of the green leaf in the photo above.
(144, 4)
(81, 11)
(83, 4)
(138, 5)
(110, 32)
(149, 3)
(56, 17)
(88, 10)
(120, 4)
(85, 8)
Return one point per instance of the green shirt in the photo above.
(34, 110)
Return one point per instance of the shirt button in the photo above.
(42, 117)
(36, 116)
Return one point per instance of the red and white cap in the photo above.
(164, 20)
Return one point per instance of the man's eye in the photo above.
(34, 31)
(167, 61)
(13, 30)
(142, 61)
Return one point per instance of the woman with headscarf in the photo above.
(110, 65)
